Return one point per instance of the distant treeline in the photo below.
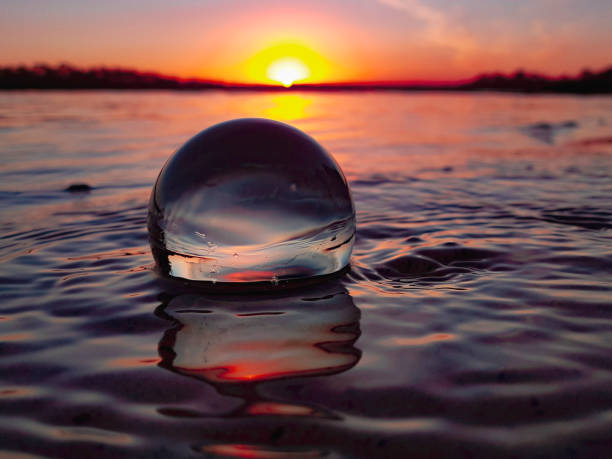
(71, 78)
(586, 83)
(68, 77)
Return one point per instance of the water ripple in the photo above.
(475, 318)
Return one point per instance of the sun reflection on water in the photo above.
(288, 107)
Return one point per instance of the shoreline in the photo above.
(69, 78)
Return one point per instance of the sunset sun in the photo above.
(287, 71)
(286, 64)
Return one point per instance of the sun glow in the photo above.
(287, 63)
(287, 71)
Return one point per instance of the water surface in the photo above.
(476, 319)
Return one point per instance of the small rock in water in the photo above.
(547, 132)
(78, 188)
(254, 187)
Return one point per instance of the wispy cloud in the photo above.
(416, 9)
(440, 29)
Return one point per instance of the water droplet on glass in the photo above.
(256, 187)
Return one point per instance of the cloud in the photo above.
(440, 29)
(416, 9)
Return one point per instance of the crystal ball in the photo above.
(251, 201)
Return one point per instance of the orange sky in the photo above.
(336, 40)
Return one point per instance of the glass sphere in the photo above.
(251, 200)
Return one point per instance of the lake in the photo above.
(475, 320)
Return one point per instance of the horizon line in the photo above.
(67, 76)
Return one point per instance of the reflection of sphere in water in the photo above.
(224, 339)
(251, 200)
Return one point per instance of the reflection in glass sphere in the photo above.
(251, 200)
